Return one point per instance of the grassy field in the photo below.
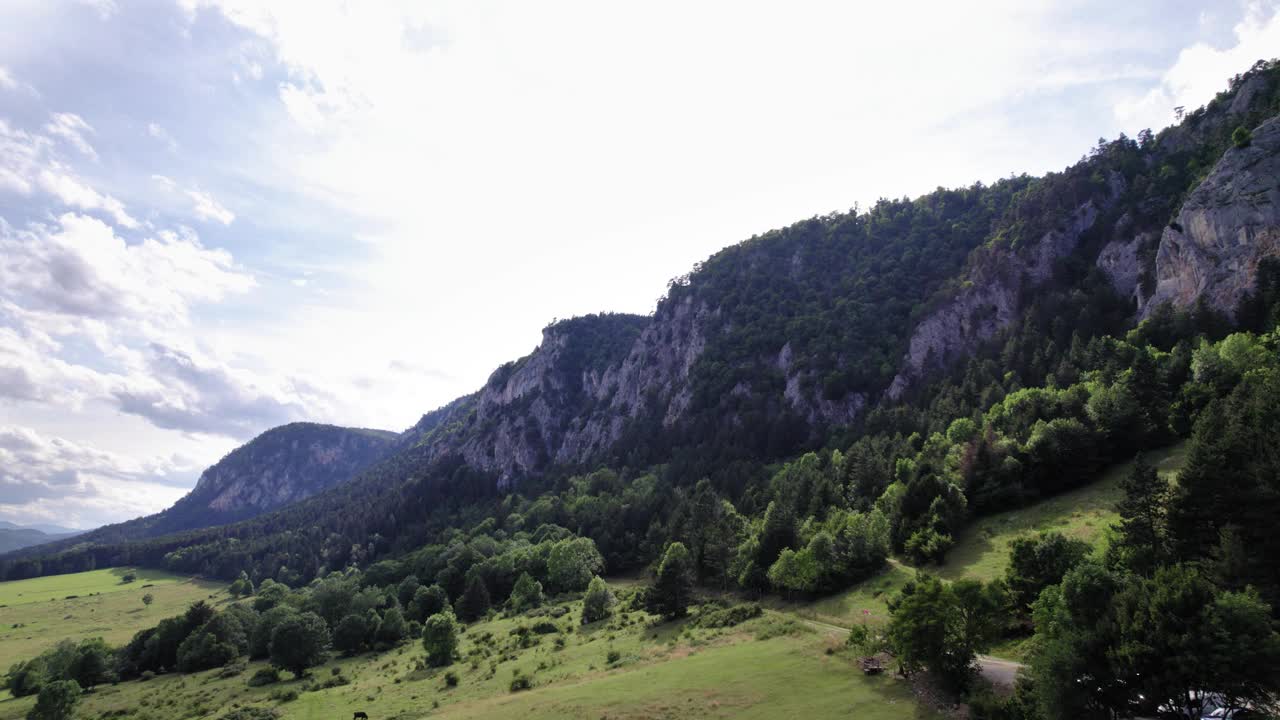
(983, 551)
(769, 667)
(37, 613)
(789, 663)
(1086, 513)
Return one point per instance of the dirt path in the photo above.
(999, 672)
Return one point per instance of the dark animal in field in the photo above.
(360, 715)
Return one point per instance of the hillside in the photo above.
(15, 538)
(281, 466)
(870, 324)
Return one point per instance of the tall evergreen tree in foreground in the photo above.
(672, 589)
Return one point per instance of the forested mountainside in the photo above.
(944, 356)
(14, 537)
(281, 466)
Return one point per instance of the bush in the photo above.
(727, 617)
(284, 696)
(264, 676)
(56, 701)
(440, 639)
(252, 713)
(598, 603)
(1242, 137)
(521, 682)
(451, 679)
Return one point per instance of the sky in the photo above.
(218, 216)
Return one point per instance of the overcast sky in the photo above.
(216, 218)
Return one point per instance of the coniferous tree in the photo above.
(1141, 545)
(672, 589)
(474, 603)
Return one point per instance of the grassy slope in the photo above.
(1086, 513)
(983, 551)
(770, 667)
(105, 607)
(671, 671)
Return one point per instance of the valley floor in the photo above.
(35, 614)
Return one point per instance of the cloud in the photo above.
(7, 82)
(159, 133)
(208, 208)
(1201, 70)
(104, 8)
(72, 128)
(182, 391)
(29, 163)
(40, 473)
(81, 267)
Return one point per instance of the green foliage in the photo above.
(440, 639)
(1142, 542)
(526, 595)
(727, 617)
(1148, 641)
(393, 629)
(672, 588)
(572, 564)
(941, 627)
(352, 634)
(1241, 137)
(474, 603)
(1035, 563)
(57, 701)
(300, 643)
(428, 601)
(265, 676)
(597, 603)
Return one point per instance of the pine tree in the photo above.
(673, 588)
(1142, 542)
(474, 603)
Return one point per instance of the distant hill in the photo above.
(281, 466)
(15, 537)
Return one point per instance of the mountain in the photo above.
(864, 335)
(13, 537)
(283, 465)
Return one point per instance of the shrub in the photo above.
(727, 617)
(1242, 137)
(521, 682)
(264, 676)
(598, 603)
(252, 713)
(284, 696)
(451, 679)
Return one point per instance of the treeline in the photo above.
(347, 612)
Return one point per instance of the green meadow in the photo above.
(773, 666)
(788, 663)
(37, 613)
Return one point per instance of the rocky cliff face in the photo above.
(991, 296)
(281, 466)
(1226, 226)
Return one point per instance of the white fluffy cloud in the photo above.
(73, 129)
(206, 207)
(30, 163)
(51, 479)
(1201, 70)
(81, 267)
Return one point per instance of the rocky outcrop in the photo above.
(548, 408)
(1226, 226)
(990, 298)
(281, 466)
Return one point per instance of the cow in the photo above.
(360, 715)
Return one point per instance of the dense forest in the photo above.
(751, 490)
